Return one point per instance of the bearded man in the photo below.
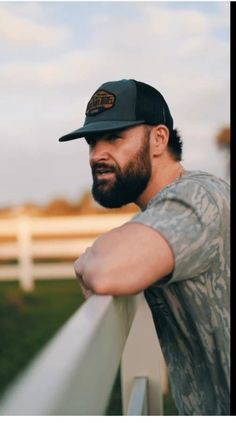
(176, 249)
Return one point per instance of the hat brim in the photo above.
(98, 127)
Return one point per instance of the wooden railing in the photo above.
(74, 373)
(30, 239)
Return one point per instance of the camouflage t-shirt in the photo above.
(190, 307)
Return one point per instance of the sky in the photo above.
(54, 55)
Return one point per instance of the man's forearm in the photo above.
(125, 260)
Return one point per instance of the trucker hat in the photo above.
(120, 105)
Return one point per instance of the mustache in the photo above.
(102, 167)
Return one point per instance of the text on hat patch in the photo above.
(100, 102)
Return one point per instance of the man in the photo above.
(176, 249)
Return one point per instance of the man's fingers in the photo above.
(79, 263)
(79, 270)
(78, 266)
(86, 292)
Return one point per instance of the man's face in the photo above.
(121, 166)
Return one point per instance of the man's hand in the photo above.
(79, 269)
(86, 292)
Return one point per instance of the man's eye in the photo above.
(108, 137)
(113, 137)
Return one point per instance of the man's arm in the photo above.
(125, 260)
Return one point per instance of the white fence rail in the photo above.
(74, 373)
(48, 238)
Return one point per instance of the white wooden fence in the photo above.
(48, 238)
(74, 373)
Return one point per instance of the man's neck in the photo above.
(164, 175)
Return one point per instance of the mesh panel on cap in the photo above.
(151, 106)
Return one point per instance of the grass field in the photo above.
(28, 321)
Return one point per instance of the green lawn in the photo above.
(28, 321)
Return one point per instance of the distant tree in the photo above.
(223, 138)
(223, 143)
(87, 203)
(59, 207)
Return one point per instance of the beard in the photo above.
(128, 183)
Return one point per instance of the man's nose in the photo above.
(99, 152)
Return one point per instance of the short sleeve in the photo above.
(186, 215)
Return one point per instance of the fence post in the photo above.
(142, 358)
(24, 255)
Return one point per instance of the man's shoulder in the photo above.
(193, 186)
(204, 178)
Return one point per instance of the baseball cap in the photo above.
(120, 105)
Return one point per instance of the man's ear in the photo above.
(159, 140)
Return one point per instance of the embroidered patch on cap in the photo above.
(100, 102)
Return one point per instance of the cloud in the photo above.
(156, 38)
(185, 62)
(179, 51)
(18, 31)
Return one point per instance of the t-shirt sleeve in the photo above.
(188, 218)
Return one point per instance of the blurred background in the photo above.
(54, 55)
